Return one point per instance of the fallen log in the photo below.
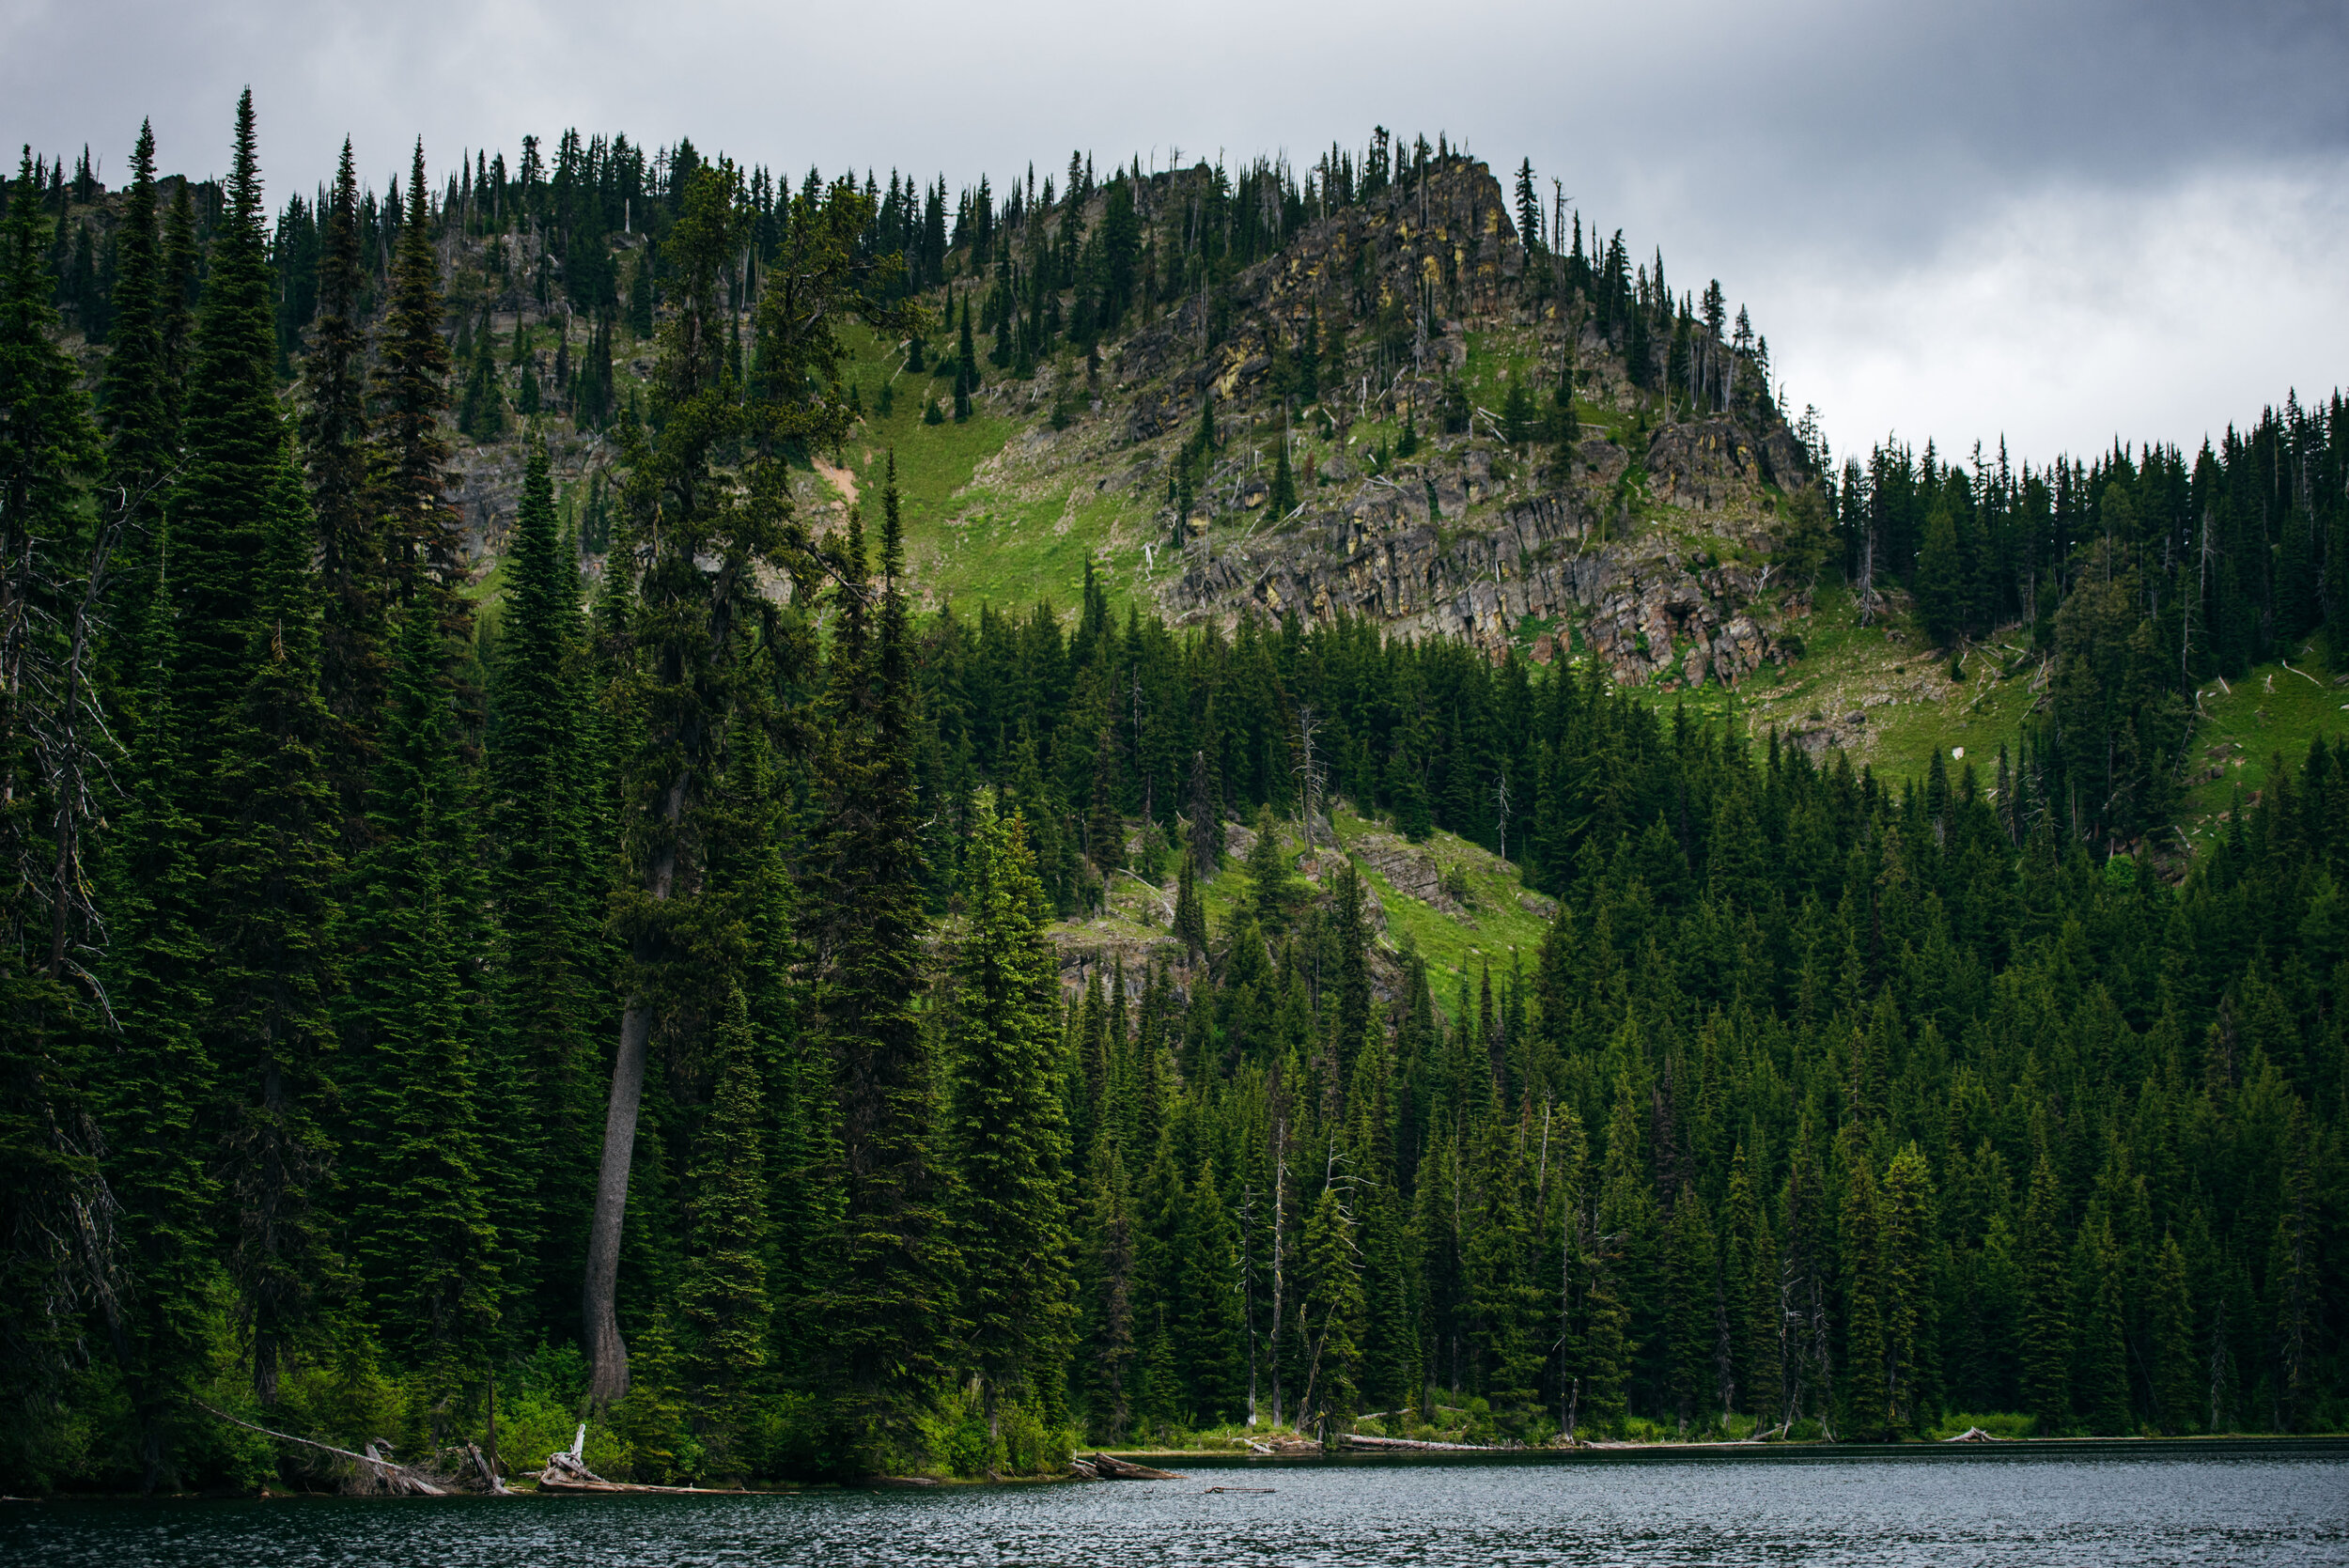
(1119, 1469)
(564, 1475)
(1083, 1470)
(572, 1485)
(1976, 1435)
(488, 1471)
(402, 1480)
(1414, 1444)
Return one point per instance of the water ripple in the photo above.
(2160, 1510)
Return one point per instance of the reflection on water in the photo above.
(1946, 1509)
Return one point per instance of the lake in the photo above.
(1975, 1507)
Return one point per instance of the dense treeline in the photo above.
(2140, 575)
(639, 998)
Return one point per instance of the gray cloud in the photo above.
(2062, 221)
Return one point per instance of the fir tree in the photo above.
(1271, 885)
(140, 445)
(1329, 1314)
(887, 1306)
(50, 1180)
(1904, 1297)
(422, 531)
(1190, 913)
(2046, 1326)
(1107, 1286)
(1005, 1121)
(163, 1080)
(1692, 1303)
(1283, 500)
(724, 1293)
(273, 868)
(334, 447)
(544, 882)
(234, 441)
(420, 1218)
(2170, 1319)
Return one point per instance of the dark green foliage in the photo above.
(273, 867)
(887, 1309)
(1900, 1101)
(234, 446)
(351, 546)
(546, 882)
(1283, 500)
(723, 1293)
(1005, 1128)
(422, 532)
(413, 1159)
(163, 1080)
(49, 1175)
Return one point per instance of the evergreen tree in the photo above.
(1190, 913)
(1329, 1314)
(1904, 1297)
(273, 867)
(234, 441)
(1271, 885)
(1107, 1287)
(887, 1306)
(163, 1079)
(141, 448)
(423, 534)
(724, 1293)
(333, 395)
(421, 1230)
(1691, 1305)
(2171, 1320)
(544, 882)
(49, 1176)
(1006, 1125)
(1283, 499)
(2046, 1326)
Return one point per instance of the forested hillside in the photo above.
(536, 892)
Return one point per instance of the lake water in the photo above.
(1946, 1509)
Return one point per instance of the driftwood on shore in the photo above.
(564, 1475)
(399, 1480)
(1976, 1435)
(1103, 1467)
(1362, 1439)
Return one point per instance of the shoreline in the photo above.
(2325, 1444)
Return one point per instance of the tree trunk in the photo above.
(607, 1354)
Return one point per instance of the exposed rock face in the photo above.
(1717, 463)
(1550, 550)
(1642, 607)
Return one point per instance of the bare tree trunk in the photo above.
(607, 1354)
(1280, 1181)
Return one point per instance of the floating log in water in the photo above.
(1107, 1468)
(1213, 1490)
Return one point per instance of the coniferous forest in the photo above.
(630, 985)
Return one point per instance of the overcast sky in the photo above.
(2062, 222)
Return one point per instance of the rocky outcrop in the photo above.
(1646, 609)
(1548, 549)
